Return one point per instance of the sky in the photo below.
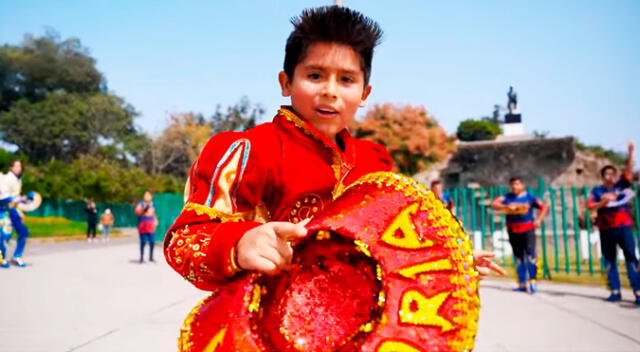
(575, 65)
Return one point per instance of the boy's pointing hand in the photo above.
(266, 248)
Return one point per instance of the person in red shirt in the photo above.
(615, 225)
(250, 193)
(147, 223)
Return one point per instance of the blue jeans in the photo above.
(144, 238)
(524, 249)
(105, 231)
(623, 237)
(21, 230)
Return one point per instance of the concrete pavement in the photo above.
(78, 296)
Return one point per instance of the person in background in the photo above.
(518, 205)
(106, 221)
(92, 221)
(443, 195)
(147, 222)
(611, 201)
(10, 188)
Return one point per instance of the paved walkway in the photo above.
(78, 296)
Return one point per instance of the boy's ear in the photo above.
(365, 95)
(284, 84)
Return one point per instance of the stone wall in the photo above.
(488, 163)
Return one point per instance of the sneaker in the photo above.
(520, 289)
(18, 262)
(533, 286)
(614, 297)
(5, 264)
(637, 301)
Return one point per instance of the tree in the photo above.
(42, 65)
(239, 117)
(474, 130)
(96, 178)
(64, 125)
(413, 138)
(178, 146)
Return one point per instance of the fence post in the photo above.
(587, 223)
(565, 234)
(473, 204)
(465, 217)
(543, 233)
(483, 220)
(554, 224)
(576, 228)
(492, 225)
(454, 198)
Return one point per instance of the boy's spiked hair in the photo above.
(332, 24)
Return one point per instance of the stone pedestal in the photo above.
(512, 125)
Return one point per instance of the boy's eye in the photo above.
(347, 79)
(314, 75)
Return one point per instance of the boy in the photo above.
(249, 193)
(614, 222)
(518, 205)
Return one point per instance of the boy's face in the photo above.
(327, 87)
(609, 176)
(517, 186)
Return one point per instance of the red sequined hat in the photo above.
(386, 268)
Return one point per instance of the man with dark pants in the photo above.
(614, 222)
(518, 205)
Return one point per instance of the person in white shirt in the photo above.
(10, 188)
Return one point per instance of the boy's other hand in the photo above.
(266, 248)
(609, 197)
(484, 264)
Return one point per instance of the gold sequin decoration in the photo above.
(404, 225)
(419, 310)
(396, 346)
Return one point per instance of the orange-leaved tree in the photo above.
(414, 139)
(179, 145)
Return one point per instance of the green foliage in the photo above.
(42, 65)
(474, 130)
(65, 125)
(96, 178)
(616, 158)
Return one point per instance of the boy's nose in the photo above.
(329, 88)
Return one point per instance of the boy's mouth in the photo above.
(326, 112)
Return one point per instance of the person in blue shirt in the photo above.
(443, 195)
(611, 201)
(519, 205)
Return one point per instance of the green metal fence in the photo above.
(168, 207)
(568, 242)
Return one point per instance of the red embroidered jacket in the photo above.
(285, 170)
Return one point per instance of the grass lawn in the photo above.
(56, 227)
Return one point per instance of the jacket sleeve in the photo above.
(225, 190)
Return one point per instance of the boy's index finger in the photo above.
(289, 231)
